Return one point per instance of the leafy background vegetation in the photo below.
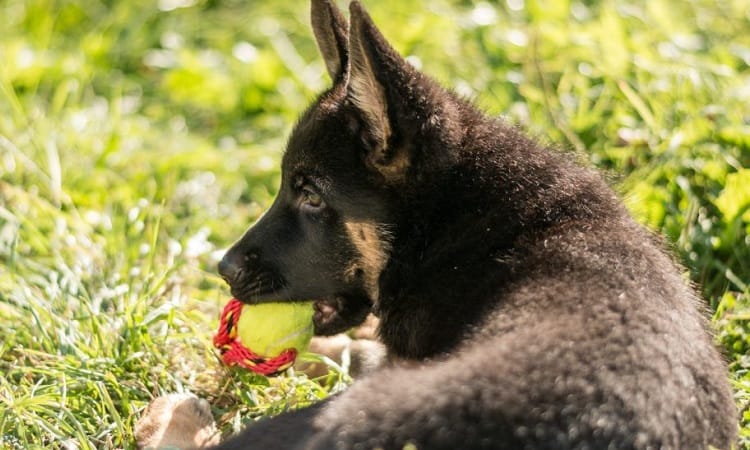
(138, 138)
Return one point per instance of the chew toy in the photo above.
(275, 332)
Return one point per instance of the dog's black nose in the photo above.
(230, 267)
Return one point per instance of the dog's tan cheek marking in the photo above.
(371, 242)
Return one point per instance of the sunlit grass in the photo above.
(139, 138)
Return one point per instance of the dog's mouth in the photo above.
(263, 287)
(326, 313)
(339, 313)
(331, 315)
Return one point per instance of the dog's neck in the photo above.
(449, 245)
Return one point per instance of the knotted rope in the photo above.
(233, 353)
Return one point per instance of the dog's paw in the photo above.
(181, 421)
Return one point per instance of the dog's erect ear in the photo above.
(374, 67)
(330, 29)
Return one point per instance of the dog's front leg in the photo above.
(289, 431)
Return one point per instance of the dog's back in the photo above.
(553, 319)
(528, 308)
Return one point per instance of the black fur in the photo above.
(527, 309)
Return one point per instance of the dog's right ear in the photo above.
(379, 81)
(332, 34)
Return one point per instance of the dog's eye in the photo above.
(311, 199)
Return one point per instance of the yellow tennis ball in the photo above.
(270, 328)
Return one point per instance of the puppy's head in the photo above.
(350, 163)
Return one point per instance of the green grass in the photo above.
(138, 139)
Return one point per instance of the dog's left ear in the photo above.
(330, 29)
(377, 73)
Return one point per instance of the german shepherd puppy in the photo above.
(520, 305)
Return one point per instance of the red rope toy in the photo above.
(233, 353)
